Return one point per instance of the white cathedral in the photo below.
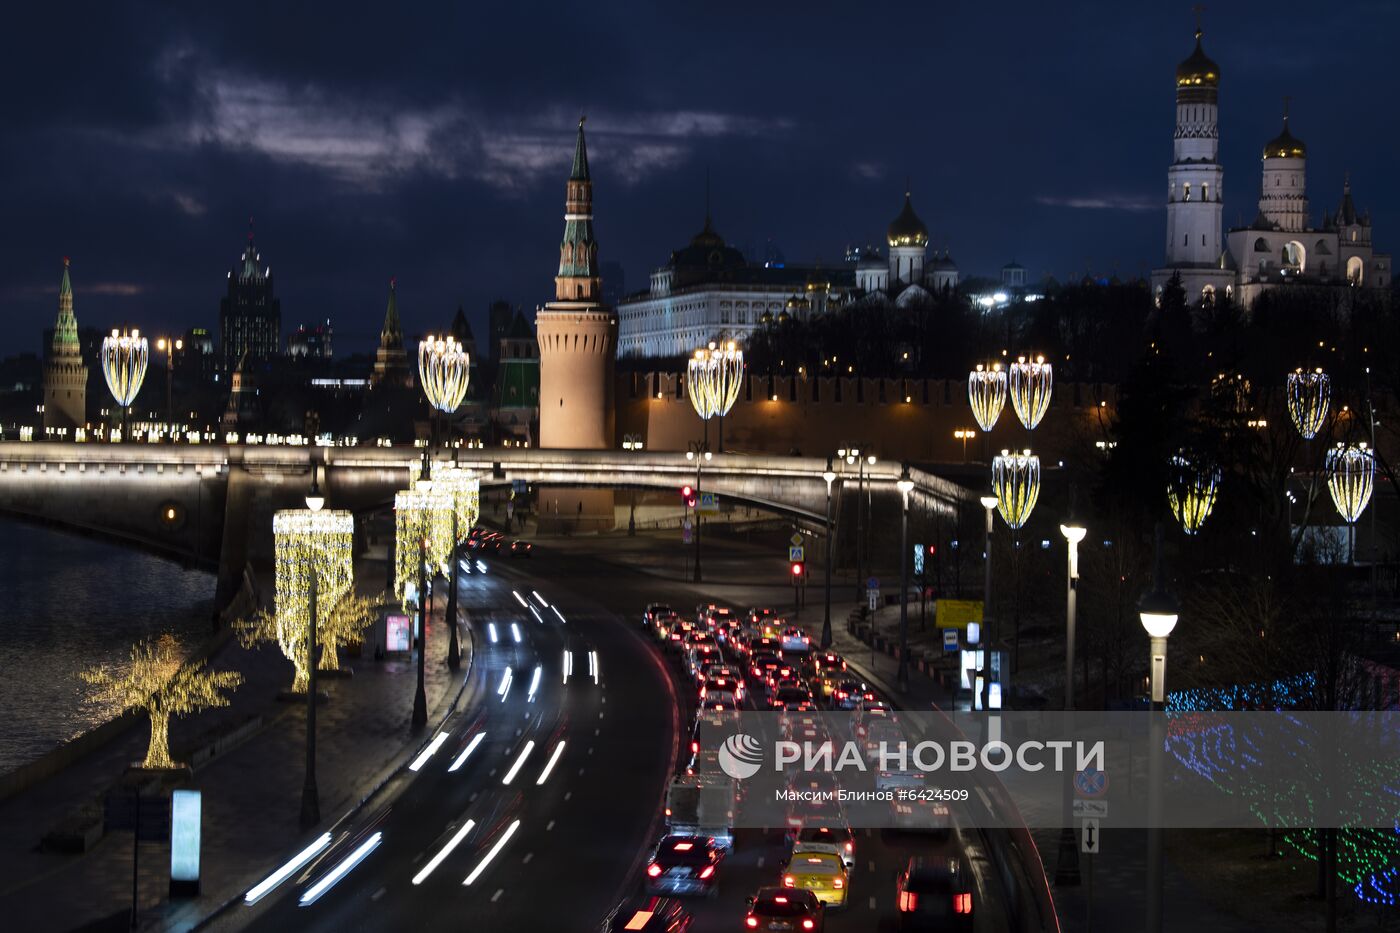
(1280, 246)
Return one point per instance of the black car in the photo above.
(934, 893)
(650, 915)
(685, 865)
(795, 909)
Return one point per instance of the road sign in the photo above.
(1091, 809)
(685, 531)
(956, 613)
(795, 553)
(874, 595)
(795, 540)
(873, 583)
(1089, 837)
(709, 502)
(950, 639)
(1091, 782)
(918, 560)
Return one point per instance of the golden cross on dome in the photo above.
(1198, 9)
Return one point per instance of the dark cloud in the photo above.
(430, 141)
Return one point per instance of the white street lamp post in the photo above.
(905, 486)
(1158, 612)
(830, 477)
(989, 505)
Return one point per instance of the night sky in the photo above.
(370, 141)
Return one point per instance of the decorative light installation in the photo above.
(422, 513)
(307, 543)
(124, 358)
(465, 489)
(1016, 484)
(1191, 491)
(1351, 471)
(1031, 384)
(714, 377)
(444, 368)
(1309, 396)
(986, 392)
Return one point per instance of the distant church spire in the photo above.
(391, 334)
(577, 279)
(391, 360)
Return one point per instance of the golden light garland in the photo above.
(124, 358)
(1031, 384)
(1351, 471)
(158, 681)
(986, 393)
(1016, 484)
(307, 543)
(1191, 492)
(421, 513)
(465, 489)
(444, 368)
(714, 377)
(1309, 397)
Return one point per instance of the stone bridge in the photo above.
(211, 505)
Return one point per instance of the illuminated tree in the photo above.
(158, 681)
(423, 513)
(337, 623)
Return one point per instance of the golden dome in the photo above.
(1198, 70)
(907, 229)
(1285, 146)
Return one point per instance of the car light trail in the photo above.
(568, 665)
(329, 879)
(556, 611)
(534, 685)
(504, 688)
(515, 632)
(444, 852)
(593, 665)
(256, 893)
(536, 594)
(549, 766)
(471, 747)
(428, 752)
(481, 565)
(520, 599)
(495, 850)
(491, 629)
(519, 762)
(536, 613)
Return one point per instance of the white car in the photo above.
(837, 840)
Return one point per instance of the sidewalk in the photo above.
(251, 793)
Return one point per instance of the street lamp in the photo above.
(1158, 612)
(905, 486)
(989, 505)
(713, 379)
(124, 358)
(1031, 383)
(830, 477)
(444, 369)
(632, 442)
(169, 346)
(964, 435)
(853, 457)
(1067, 871)
(700, 453)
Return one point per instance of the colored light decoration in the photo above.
(1016, 484)
(1309, 396)
(1191, 491)
(713, 379)
(464, 488)
(309, 544)
(159, 682)
(124, 358)
(423, 513)
(1351, 471)
(1030, 386)
(444, 368)
(986, 393)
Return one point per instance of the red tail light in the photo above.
(908, 901)
(850, 847)
(837, 883)
(751, 922)
(653, 870)
(962, 903)
(789, 881)
(706, 872)
(807, 924)
(695, 748)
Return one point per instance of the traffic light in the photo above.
(798, 569)
(688, 496)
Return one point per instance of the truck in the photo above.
(702, 804)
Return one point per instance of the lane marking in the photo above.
(544, 775)
(287, 870)
(378, 894)
(497, 896)
(428, 752)
(526, 859)
(761, 860)
(549, 826)
(872, 902)
(346, 865)
(471, 747)
(444, 852)
(495, 850)
(567, 795)
(519, 762)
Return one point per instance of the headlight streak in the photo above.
(534, 685)
(536, 613)
(556, 611)
(495, 850)
(256, 892)
(466, 752)
(520, 599)
(504, 688)
(347, 864)
(549, 766)
(515, 632)
(536, 594)
(593, 665)
(481, 565)
(519, 762)
(428, 752)
(568, 665)
(491, 629)
(444, 852)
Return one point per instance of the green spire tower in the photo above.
(65, 373)
(391, 360)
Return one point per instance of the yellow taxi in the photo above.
(822, 873)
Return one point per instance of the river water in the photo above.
(66, 603)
